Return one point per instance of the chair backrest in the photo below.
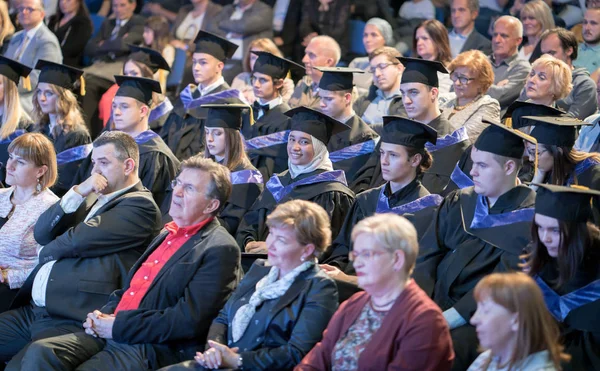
(97, 21)
(177, 69)
(357, 28)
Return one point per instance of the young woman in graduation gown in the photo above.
(564, 259)
(403, 158)
(225, 145)
(13, 120)
(310, 177)
(58, 116)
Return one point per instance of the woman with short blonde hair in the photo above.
(550, 80)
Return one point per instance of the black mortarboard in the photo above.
(502, 140)
(519, 109)
(274, 66)
(555, 131)
(60, 75)
(138, 88)
(407, 132)
(315, 123)
(13, 70)
(226, 116)
(337, 78)
(569, 204)
(214, 45)
(421, 71)
(150, 57)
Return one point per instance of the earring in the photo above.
(38, 187)
(302, 258)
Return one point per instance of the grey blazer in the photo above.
(477, 41)
(209, 23)
(43, 45)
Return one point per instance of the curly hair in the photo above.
(68, 112)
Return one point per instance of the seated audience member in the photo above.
(91, 238)
(384, 97)
(348, 149)
(393, 325)
(289, 294)
(404, 158)
(243, 81)
(241, 23)
(536, 18)
(510, 72)
(419, 88)
(321, 51)
(513, 326)
(162, 8)
(287, 15)
(183, 130)
(73, 27)
(7, 29)
(31, 44)
(174, 291)
(131, 111)
(417, 9)
(589, 136)
(58, 116)
(310, 177)
(582, 100)
(191, 19)
(156, 37)
(568, 267)
(326, 18)
(108, 50)
(31, 170)
(13, 119)
(463, 36)
(549, 80)
(225, 145)
(472, 75)
(589, 49)
(377, 34)
(476, 231)
(267, 144)
(430, 42)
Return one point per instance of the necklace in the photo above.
(378, 307)
(458, 108)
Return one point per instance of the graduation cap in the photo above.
(138, 88)
(555, 131)
(274, 66)
(315, 123)
(14, 70)
(501, 140)
(226, 116)
(514, 115)
(570, 204)
(214, 45)
(337, 78)
(407, 132)
(150, 57)
(60, 75)
(421, 71)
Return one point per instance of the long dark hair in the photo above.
(82, 10)
(576, 241)
(565, 160)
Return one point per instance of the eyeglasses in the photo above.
(463, 79)
(381, 67)
(26, 9)
(367, 254)
(531, 152)
(188, 189)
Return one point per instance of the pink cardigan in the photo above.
(413, 336)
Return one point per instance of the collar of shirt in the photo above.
(31, 33)
(380, 94)
(104, 199)
(242, 8)
(272, 103)
(122, 22)
(211, 87)
(190, 230)
(453, 33)
(507, 61)
(347, 118)
(586, 46)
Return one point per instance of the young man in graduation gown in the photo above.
(419, 88)
(349, 149)
(310, 177)
(183, 130)
(267, 143)
(477, 231)
(131, 110)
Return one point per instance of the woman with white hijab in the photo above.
(310, 177)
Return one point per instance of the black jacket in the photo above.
(118, 48)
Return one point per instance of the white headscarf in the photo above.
(320, 160)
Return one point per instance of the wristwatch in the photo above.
(240, 363)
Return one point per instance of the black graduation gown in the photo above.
(351, 159)
(437, 177)
(419, 213)
(271, 159)
(157, 167)
(24, 126)
(335, 197)
(183, 130)
(458, 249)
(580, 324)
(246, 188)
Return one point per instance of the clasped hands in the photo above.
(99, 324)
(218, 356)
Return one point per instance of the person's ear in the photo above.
(129, 166)
(309, 250)
(510, 167)
(400, 260)
(415, 161)
(514, 322)
(41, 171)
(213, 205)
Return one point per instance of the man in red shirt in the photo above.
(175, 290)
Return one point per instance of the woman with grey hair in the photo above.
(377, 33)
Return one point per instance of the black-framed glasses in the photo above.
(464, 80)
(28, 9)
(381, 67)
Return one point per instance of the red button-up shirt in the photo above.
(143, 278)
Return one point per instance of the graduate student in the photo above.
(476, 231)
(310, 177)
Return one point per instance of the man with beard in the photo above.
(589, 50)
